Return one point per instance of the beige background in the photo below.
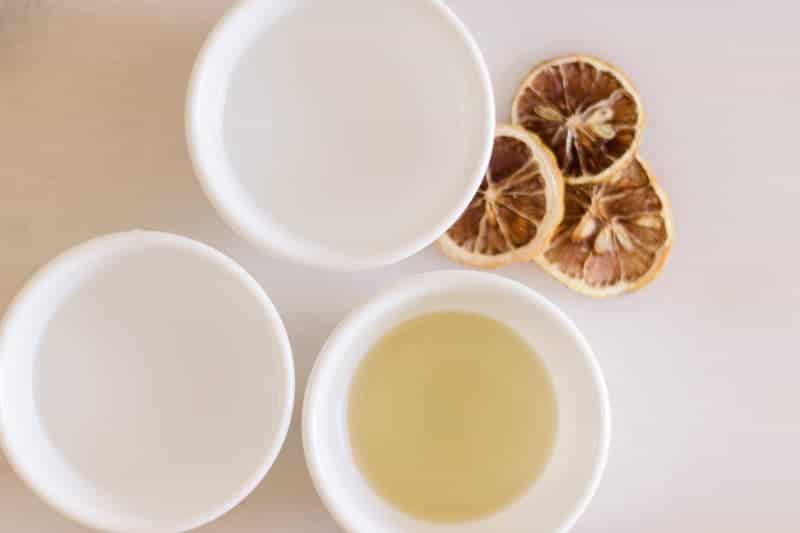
(702, 366)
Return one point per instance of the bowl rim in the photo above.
(85, 255)
(420, 286)
(229, 210)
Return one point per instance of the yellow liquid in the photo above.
(452, 417)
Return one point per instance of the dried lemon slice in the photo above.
(516, 209)
(615, 236)
(586, 112)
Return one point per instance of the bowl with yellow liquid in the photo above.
(456, 401)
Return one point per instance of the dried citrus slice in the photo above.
(615, 236)
(586, 112)
(516, 209)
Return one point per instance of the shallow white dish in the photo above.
(346, 134)
(146, 383)
(557, 499)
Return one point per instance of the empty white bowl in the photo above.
(560, 495)
(146, 383)
(345, 134)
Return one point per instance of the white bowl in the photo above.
(345, 134)
(146, 383)
(556, 500)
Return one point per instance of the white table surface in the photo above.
(702, 367)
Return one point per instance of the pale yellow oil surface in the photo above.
(452, 417)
